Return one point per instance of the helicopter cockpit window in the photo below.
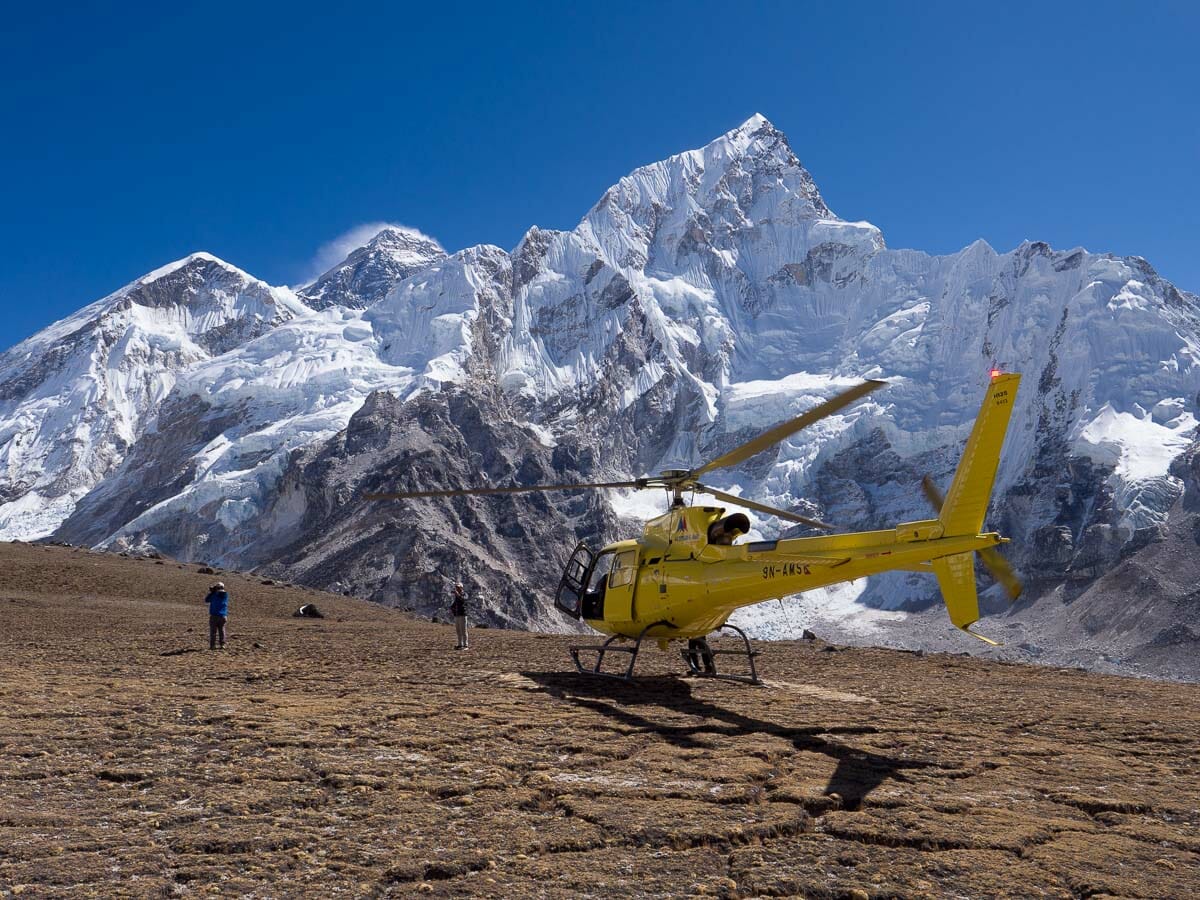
(623, 568)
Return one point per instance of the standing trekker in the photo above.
(458, 609)
(218, 615)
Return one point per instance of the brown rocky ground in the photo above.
(361, 755)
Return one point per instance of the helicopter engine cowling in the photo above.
(723, 531)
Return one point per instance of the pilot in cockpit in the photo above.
(723, 531)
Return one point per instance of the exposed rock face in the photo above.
(703, 299)
(372, 270)
(162, 464)
(507, 550)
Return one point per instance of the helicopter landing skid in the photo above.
(606, 647)
(694, 669)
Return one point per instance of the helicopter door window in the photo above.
(623, 569)
(576, 570)
(568, 598)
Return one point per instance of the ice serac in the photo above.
(703, 299)
(370, 271)
(76, 396)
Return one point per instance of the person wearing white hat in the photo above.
(458, 609)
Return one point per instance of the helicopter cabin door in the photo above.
(622, 580)
(570, 593)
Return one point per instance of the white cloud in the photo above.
(334, 251)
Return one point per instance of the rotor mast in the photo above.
(675, 483)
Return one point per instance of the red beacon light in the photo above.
(996, 373)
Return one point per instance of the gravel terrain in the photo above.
(361, 755)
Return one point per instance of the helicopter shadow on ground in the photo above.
(857, 774)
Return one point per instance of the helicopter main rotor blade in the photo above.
(1000, 568)
(787, 429)
(763, 508)
(521, 489)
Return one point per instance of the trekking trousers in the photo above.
(216, 631)
(460, 628)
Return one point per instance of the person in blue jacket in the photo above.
(218, 615)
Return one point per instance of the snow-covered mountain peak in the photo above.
(370, 271)
(120, 356)
(198, 261)
(754, 138)
(755, 122)
(399, 236)
(979, 246)
(215, 304)
(746, 184)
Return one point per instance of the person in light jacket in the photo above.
(458, 609)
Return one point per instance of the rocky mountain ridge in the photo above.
(702, 299)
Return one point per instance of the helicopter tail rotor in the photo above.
(999, 567)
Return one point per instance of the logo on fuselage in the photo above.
(682, 533)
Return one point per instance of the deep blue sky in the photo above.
(260, 132)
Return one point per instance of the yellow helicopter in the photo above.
(684, 577)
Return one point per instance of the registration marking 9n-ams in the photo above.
(784, 569)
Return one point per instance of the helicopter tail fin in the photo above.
(966, 502)
(956, 578)
(971, 491)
